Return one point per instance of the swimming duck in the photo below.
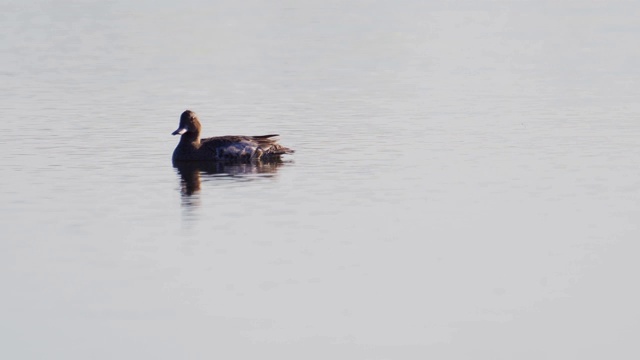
(229, 148)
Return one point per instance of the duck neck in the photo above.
(190, 139)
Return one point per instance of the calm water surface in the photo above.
(466, 182)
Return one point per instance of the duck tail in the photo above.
(274, 152)
(269, 149)
(277, 150)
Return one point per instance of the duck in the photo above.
(228, 148)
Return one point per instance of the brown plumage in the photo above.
(229, 148)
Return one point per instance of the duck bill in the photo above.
(179, 131)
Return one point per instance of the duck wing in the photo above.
(238, 147)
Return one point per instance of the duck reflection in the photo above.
(192, 173)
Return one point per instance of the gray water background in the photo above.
(466, 182)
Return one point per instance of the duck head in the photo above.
(189, 124)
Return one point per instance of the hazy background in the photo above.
(466, 182)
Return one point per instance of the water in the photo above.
(465, 183)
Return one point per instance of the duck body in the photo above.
(229, 148)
